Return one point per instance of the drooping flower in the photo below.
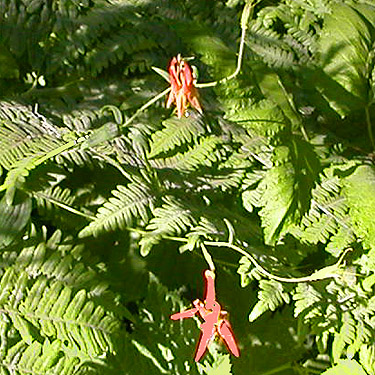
(214, 320)
(183, 90)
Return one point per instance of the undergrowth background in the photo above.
(105, 204)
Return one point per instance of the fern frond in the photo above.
(341, 240)
(81, 120)
(306, 39)
(250, 150)
(57, 259)
(172, 218)
(359, 190)
(176, 132)
(19, 139)
(344, 337)
(13, 219)
(206, 228)
(327, 214)
(18, 173)
(56, 312)
(247, 272)
(49, 296)
(74, 157)
(203, 154)
(152, 342)
(252, 178)
(224, 181)
(307, 301)
(38, 359)
(270, 297)
(84, 29)
(126, 204)
(114, 48)
(54, 195)
(318, 7)
(252, 199)
(28, 120)
(272, 51)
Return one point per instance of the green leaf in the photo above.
(126, 204)
(346, 367)
(265, 117)
(344, 337)
(13, 219)
(359, 189)
(291, 180)
(23, 327)
(163, 73)
(176, 132)
(221, 366)
(271, 296)
(345, 43)
(202, 154)
(276, 213)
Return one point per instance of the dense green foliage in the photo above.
(107, 199)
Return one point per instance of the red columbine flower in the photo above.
(214, 319)
(183, 90)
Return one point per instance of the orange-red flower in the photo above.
(183, 90)
(214, 320)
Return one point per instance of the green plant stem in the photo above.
(246, 15)
(57, 151)
(207, 257)
(328, 272)
(63, 205)
(324, 273)
(369, 126)
(145, 106)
